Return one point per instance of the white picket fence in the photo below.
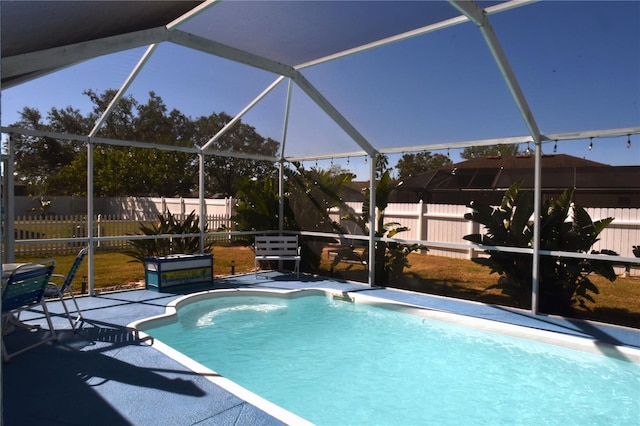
(426, 222)
(29, 228)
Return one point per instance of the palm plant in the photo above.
(390, 257)
(564, 226)
(168, 224)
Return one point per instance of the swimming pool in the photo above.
(335, 362)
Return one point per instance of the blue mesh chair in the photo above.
(55, 290)
(23, 289)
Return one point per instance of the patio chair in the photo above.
(55, 290)
(25, 288)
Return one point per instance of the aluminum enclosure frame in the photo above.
(25, 66)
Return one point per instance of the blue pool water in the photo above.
(339, 363)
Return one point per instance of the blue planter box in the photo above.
(178, 270)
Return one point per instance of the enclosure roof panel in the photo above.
(36, 26)
(289, 32)
(297, 32)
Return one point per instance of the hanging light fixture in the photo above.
(528, 150)
(590, 144)
(628, 141)
(555, 146)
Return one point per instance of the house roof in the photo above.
(527, 162)
(498, 173)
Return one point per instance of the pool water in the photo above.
(339, 363)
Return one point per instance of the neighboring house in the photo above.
(354, 191)
(486, 179)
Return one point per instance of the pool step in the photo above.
(344, 296)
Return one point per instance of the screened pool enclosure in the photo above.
(338, 82)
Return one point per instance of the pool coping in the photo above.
(573, 342)
(126, 381)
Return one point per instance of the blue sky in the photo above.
(579, 68)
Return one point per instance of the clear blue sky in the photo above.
(578, 63)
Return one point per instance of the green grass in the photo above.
(617, 303)
(117, 270)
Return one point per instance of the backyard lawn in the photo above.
(618, 301)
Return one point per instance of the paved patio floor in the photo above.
(103, 375)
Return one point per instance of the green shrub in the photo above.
(168, 224)
(564, 226)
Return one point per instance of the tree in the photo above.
(222, 172)
(258, 204)
(390, 257)
(490, 150)
(142, 171)
(564, 226)
(313, 192)
(37, 159)
(414, 164)
(53, 167)
(382, 165)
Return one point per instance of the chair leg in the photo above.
(79, 318)
(66, 311)
(6, 356)
(52, 330)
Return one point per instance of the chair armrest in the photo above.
(60, 276)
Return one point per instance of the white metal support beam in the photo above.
(501, 7)
(90, 174)
(134, 73)
(372, 219)
(479, 17)
(222, 50)
(9, 197)
(285, 129)
(30, 65)
(238, 116)
(192, 13)
(203, 205)
(334, 114)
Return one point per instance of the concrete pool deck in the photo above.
(104, 375)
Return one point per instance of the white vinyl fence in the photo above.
(434, 223)
(445, 223)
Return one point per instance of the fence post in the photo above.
(420, 225)
(472, 228)
(99, 225)
(228, 203)
(424, 223)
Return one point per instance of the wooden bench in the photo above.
(277, 247)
